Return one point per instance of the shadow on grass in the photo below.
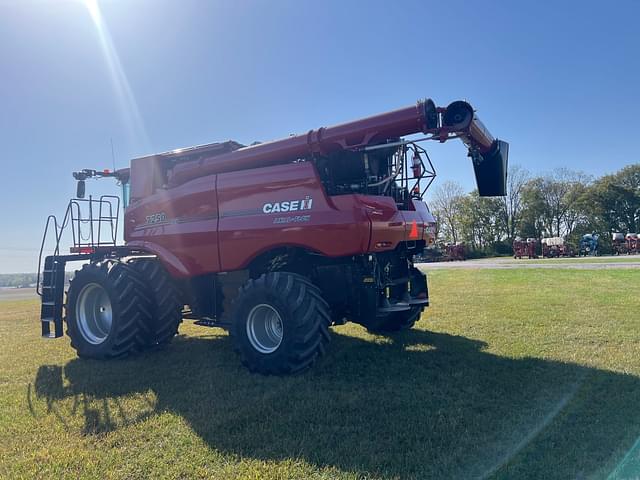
(421, 405)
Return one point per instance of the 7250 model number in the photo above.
(156, 218)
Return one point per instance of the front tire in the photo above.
(166, 307)
(105, 310)
(279, 324)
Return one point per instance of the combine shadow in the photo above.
(421, 405)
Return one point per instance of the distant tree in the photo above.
(613, 201)
(512, 203)
(563, 203)
(534, 215)
(446, 204)
(552, 204)
(482, 220)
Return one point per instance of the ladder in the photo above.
(88, 236)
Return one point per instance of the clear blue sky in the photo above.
(558, 80)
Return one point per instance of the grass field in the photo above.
(510, 374)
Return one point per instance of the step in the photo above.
(208, 322)
(46, 328)
(419, 301)
(394, 307)
(397, 281)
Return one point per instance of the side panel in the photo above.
(179, 225)
(390, 226)
(425, 223)
(285, 205)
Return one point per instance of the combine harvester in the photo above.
(633, 243)
(618, 243)
(589, 245)
(555, 247)
(625, 244)
(455, 252)
(524, 247)
(274, 242)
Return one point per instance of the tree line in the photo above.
(23, 279)
(562, 203)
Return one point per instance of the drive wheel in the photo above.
(164, 297)
(397, 321)
(105, 310)
(279, 323)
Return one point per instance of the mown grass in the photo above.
(510, 374)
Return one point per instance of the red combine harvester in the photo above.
(524, 247)
(633, 243)
(519, 247)
(555, 247)
(618, 243)
(275, 241)
(455, 251)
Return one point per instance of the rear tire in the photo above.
(166, 307)
(106, 309)
(280, 324)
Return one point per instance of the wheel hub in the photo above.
(264, 328)
(94, 314)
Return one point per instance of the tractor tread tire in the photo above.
(130, 306)
(166, 308)
(305, 315)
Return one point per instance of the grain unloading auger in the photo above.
(458, 120)
(275, 242)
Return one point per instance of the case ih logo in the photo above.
(288, 206)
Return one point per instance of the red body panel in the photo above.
(246, 230)
(179, 225)
(222, 222)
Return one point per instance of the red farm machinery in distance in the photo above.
(455, 252)
(275, 242)
(522, 248)
(555, 247)
(628, 244)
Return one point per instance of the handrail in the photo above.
(44, 238)
(73, 215)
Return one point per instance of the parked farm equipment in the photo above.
(526, 247)
(555, 247)
(618, 243)
(275, 241)
(633, 243)
(589, 245)
(625, 244)
(455, 251)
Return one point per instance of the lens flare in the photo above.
(124, 95)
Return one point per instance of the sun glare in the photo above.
(94, 10)
(124, 95)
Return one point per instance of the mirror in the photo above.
(80, 190)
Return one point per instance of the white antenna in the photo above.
(113, 156)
